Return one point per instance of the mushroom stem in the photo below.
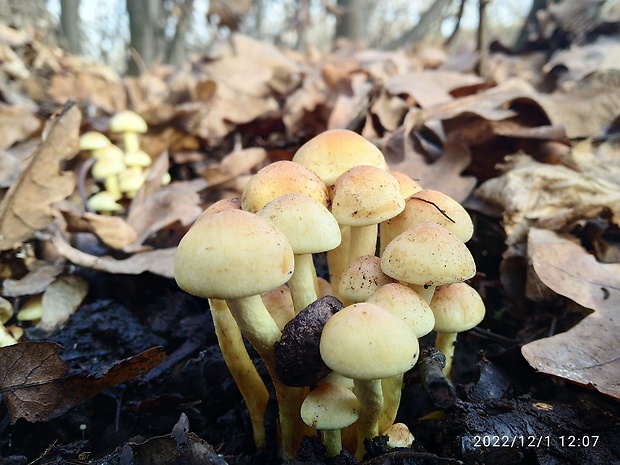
(240, 365)
(338, 259)
(5, 337)
(332, 440)
(132, 141)
(392, 389)
(370, 397)
(292, 428)
(302, 282)
(426, 292)
(445, 343)
(257, 325)
(363, 241)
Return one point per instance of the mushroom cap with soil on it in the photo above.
(329, 408)
(425, 256)
(457, 308)
(365, 196)
(433, 206)
(310, 228)
(361, 279)
(333, 152)
(280, 178)
(366, 343)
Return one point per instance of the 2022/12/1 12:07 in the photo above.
(533, 441)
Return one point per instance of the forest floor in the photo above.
(123, 367)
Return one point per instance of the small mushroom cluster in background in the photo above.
(337, 368)
(120, 172)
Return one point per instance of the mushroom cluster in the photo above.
(336, 368)
(121, 172)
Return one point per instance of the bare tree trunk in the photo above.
(302, 23)
(429, 19)
(483, 39)
(70, 25)
(353, 19)
(22, 14)
(530, 21)
(176, 53)
(144, 32)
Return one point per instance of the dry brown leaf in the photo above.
(160, 261)
(37, 387)
(26, 209)
(35, 282)
(113, 231)
(176, 202)
(60, 300)
(588, 353)
(232, 165)
(348, 107)
(9, 169)
(588, 107)
(17, 124)
(444, 174)
(530, 193)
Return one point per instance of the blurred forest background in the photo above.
(130, 34)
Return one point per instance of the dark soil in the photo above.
(188, 410)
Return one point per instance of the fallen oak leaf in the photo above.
(26, 208)
(159, 262)
(589, 353)
(36, 385)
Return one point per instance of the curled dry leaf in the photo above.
(113, 231)
(16, 124)
(589, 353)
(38, 387)
(233, 165)
(159, 262)
(35, 282)
(26, 208)
(61, 299)
(531, 193)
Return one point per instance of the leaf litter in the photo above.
(532, 153)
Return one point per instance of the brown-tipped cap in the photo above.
(363, 341)
(232, 254)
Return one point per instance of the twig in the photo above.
(457, 26)
(82, 182)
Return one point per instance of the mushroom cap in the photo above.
(103, 201)
(131, 180)
(110, 152)
(279, 304)
(232, 254)
(307, 223)
(399, 436)
(363, 341)
(428, 255)
(233, 203)
(457, 307)
(407, 304)
(366, 195)
(128, 121)
(137, 158)
(408, 186)
(93, 140)
(333, 152)
(329, 407)
(436, 207)
(361, 278)
(105, 167)
(6, 310)
(279, 178)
